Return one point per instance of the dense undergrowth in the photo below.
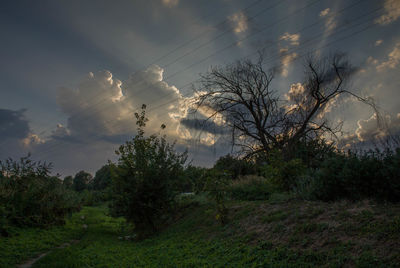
(24, 243)
(275, 233)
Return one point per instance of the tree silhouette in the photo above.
(259, 119)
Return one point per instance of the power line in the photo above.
(213, 54)
(154, 108)
(348, 36)
(244, 38)
(227, 47)
(101, 100)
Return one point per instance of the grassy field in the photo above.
(26, 243)
(278, 233)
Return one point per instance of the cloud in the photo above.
(94, 107)
(286, 60)
(330, 19)
(292, 38)
(170, 3)
(370, 129)
(61, 131)
(13, 124)
(203, 126)
(324, 12)
(32, 140)
(393, 61)
(372, 133)
(378, 42)
(102, 107)
(296, 91)
(16, 136)
(371, 60)
(239, 22)
(392, 9)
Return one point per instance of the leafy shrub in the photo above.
(194, 179)
(81, 181)
(251, 188)
(31, 197)
(313, 152)
(370, 175)
(102, 178)
(216, 187)
(68, 182)
(234, 167)
(305, 187)
(283, 174)
(94, 198)
(146, 178)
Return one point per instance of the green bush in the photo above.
(31, 197)
(102, 178)
(250, 188)
(234, 167)
(217, 189)
(146, 180)
(94, 197)
(305, 187)
(194, 179)
(81, 181)
(370, 175)
(283, 174)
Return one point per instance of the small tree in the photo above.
(68, 182)
(29, 196)
(216, 187)
(102, 179)
(144, 185)
(81, 181)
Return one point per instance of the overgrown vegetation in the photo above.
(266, 234)
(146, 181)
(29, 196)
(265, 206)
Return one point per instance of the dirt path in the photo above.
(31, 262)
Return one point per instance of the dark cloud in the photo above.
(203, 125)
(13, 124)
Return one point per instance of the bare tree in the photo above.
(259, 119)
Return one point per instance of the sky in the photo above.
(73, 73)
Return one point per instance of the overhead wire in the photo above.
(330, 43)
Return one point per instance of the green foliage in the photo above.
(217, 183)
(284, 174)
(194, 179)
(234, 167)
(68, 182)
(94, 198)
(102, 179)
(28, 242)
(195, 241)
(251, 187)
(313, 152)
(31, 197)
(371, 175)
(81, 181)
(146, 181)
(306, 187)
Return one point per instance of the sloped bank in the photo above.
(285, 233)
